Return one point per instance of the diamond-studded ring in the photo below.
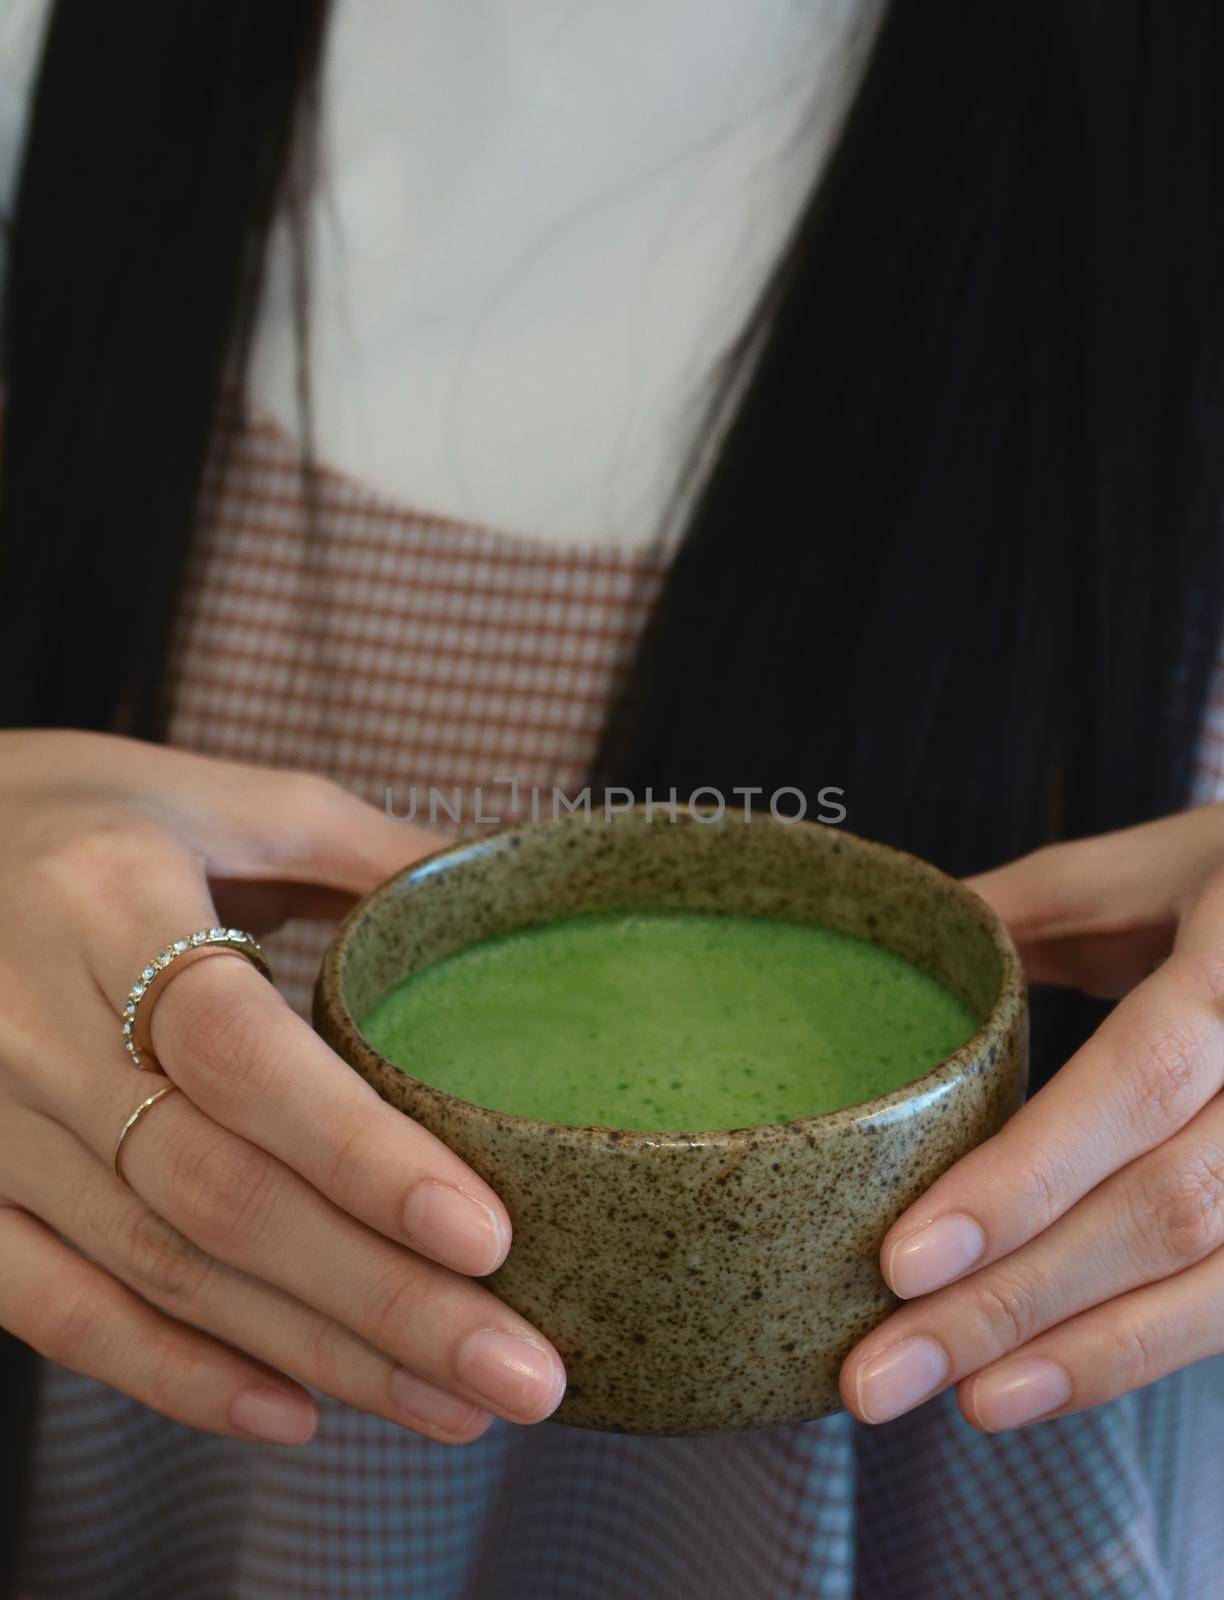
(138, 1007)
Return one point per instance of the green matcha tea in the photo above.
(669, 1020)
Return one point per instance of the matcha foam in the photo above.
(669, 1020)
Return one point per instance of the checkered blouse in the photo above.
(389, 649)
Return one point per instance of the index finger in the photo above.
(1152, 1064)
(234, 1046)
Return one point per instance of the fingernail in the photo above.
(434, 1409)
(274, 1416)
(515, 1377)
(934, 1254)
(1019, 1391)
(899, 1378)
(454, 1228)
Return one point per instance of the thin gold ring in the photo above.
(138, 1006)
(145, 1105)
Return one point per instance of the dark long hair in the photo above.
(159, 149)
(959, 554)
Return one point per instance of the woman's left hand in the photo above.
(1079, 1253)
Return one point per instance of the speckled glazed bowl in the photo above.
(702, 1280)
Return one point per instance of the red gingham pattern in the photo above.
(385, 648)
(392, 651)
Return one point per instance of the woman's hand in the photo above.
(1077, 1254)
(284, 1226)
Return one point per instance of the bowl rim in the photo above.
(1006, 1014)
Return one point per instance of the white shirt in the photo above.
(541, 224)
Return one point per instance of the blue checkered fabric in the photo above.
(1121, 1503)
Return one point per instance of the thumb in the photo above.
(329, 837)
(1098, 914)
(260, 825)
(1109, 883)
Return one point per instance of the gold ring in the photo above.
(160, 1094)
(138, 1008)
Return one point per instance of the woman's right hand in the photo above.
(284, 1227)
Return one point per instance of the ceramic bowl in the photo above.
(709, 1279)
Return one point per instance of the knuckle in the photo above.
(400, 1299)
(1007, 1306)
(351, 1154)
(60, 1320)
(1167, 1081)
(1178, 1203)
(222, 1042)
(161, 1263)
(315, 802)
(1042, 1179)
(174, 1373)
(225, 1188)
(330, 1360)
(1132, 1356)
